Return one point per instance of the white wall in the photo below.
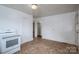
(59, 27)
(16, 21)
(27, 29)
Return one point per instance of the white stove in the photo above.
(9, 42)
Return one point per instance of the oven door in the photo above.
(10, 43)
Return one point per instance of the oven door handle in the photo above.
(10, 36)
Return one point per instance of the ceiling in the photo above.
(43, 9)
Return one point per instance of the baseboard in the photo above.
(59, 41)
(26, 41)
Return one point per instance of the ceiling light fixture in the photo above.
(34, 6)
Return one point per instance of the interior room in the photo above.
(39, 28)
